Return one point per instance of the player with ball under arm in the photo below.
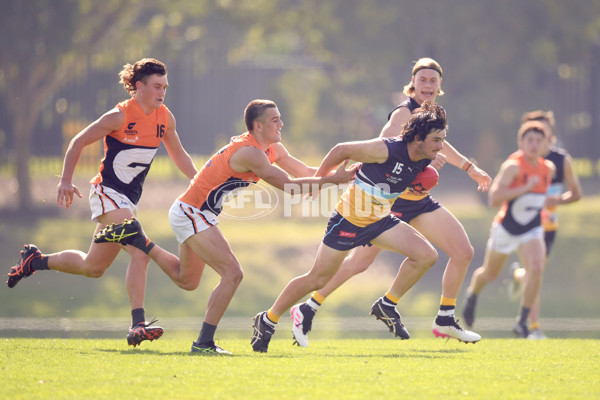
(421, 211)
(363, 215)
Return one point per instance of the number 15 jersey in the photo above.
(129, 151)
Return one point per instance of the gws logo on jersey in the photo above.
(130, 130)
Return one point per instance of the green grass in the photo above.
(329, 369)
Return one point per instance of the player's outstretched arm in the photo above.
(252, 159)
(290, 164)
(363, 151)
(454, 157)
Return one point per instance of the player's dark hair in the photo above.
(424, 120)
(140, 71)
(255, 110)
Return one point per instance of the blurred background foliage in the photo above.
(335, 68)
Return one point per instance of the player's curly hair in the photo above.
(140, 71)
(424, 120)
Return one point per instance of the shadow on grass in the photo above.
(140, 352)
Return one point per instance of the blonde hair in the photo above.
(423, 63)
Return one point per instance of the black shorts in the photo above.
(406, 210)
(342, 235)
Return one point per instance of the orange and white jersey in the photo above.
(129, 151)
(523, 213)
(216, 178)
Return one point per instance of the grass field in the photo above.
(329, 369)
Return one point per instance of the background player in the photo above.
(520, 187)
(565, 176)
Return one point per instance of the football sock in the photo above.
(446, 312)
(524, 315)
(534, 325)
(40, 263)
(447, 307)
(207, 333)
(143, 243)
(137, 316)
(272, 318)
(315, 301)
(390, 300)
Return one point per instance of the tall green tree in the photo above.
(47, 43)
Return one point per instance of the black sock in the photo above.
(137, 316)
(40, 263)
(524, 315)
(143, 243)
(444, 320)
(207, 334)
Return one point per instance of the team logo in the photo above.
(130, 130)
(397, 170)
(348, 234)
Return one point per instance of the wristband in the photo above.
(467, 165)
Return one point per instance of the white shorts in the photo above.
(503, 242)
(187, 220)
(104, 199)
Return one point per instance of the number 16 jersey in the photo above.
(129, 151)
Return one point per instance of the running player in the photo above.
(520, 187)
(423, 213)
(132, 133)
(363, 215)
(194, 215)
(565, 176)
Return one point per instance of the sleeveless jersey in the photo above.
(412, 194)
(129, 151)
(550, 214)
(216, 178)
(370, 196)
(409, 103)
(523, 213)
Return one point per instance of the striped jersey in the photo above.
(376, 186)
